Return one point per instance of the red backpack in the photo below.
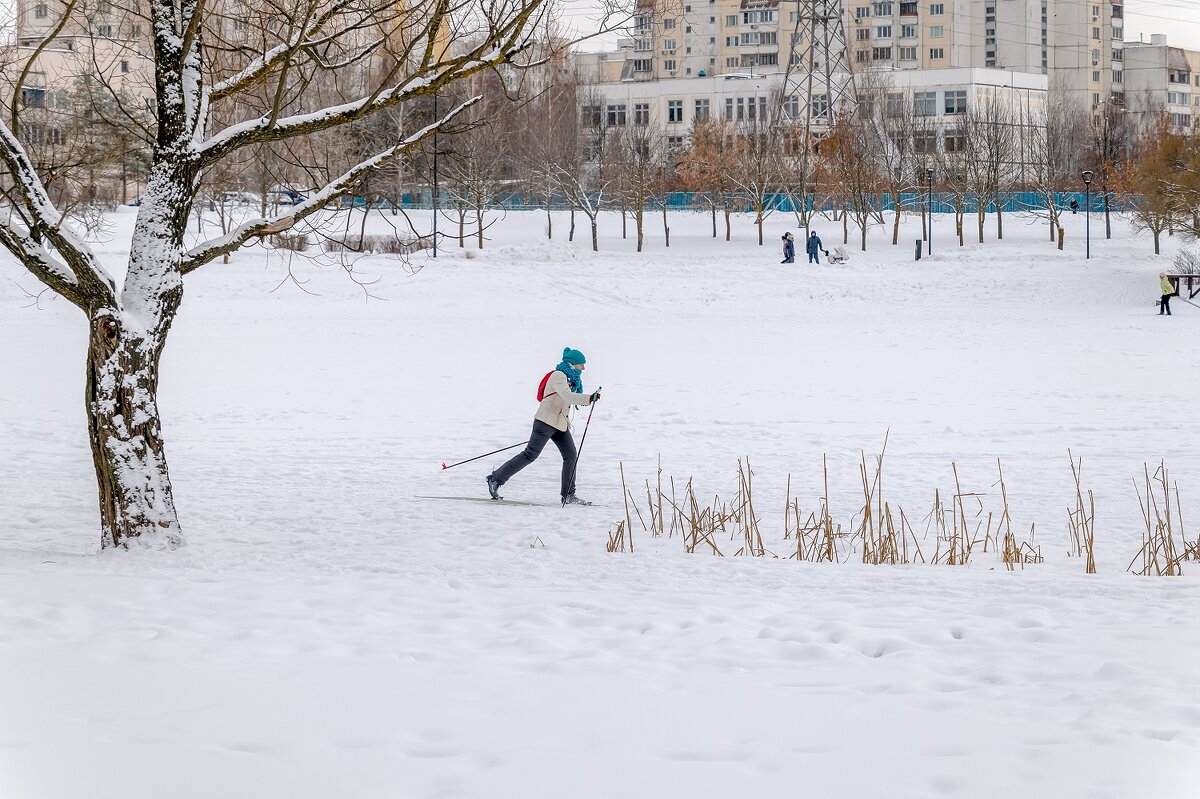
(541, 395)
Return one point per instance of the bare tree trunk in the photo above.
(982, 214)
(845, 227)
(571, 235)
(667, 229)
(479, 227)
(999, 221)
(714, 219)
(126, 437)
(727, 227)
(638, 220)
(758, 208)
(1107, 217)
(549, 224)
(595, 237)
(1062, 237)
(462, 228)
(624, 222)
(863, 231)
(1157, 234)
(896, 227)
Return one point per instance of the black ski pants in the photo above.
(542, 433)
(813, 258)
(1164, 305)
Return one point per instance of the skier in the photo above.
(1168, 291)
(560, 389)
(813, 247)
(789, 248)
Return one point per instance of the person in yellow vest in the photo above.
(1168, 291)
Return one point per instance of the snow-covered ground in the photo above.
(327, 633)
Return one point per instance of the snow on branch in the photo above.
(335, 189)
(42, 220)
(503, 42)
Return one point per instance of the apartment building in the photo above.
(1163, 80)
(1079, 44)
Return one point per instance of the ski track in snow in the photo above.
(326, 633)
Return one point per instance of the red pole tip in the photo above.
(443, 466)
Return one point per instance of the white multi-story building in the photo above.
(1163, 80)
(1079, 44)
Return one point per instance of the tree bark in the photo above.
(595, 237)
(1062, 237)
(571, 234)
(714, 219)
(667, 229)
(549, 223)
(896, 227)
(638, 220)
(727, 227)
(136, 502)
(999, 221)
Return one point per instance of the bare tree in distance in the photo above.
(332, 64)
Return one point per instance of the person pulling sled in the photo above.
(559, 390)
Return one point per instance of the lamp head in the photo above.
(1087, 177)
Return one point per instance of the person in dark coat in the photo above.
(789, 248)
(814, 248)
(1074, 205)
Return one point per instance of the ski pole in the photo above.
(477, 457)
(582, 439)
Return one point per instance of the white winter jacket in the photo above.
(557, 400)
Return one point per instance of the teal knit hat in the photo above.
(574, 357)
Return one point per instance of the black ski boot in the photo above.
(493, 487)
(571, 499)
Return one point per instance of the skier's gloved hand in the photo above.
(595, 396)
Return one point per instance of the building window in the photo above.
(1096, 33)
(1118, 34)
(956, 102)
(616, 115)
(794, 17)
(668, 24)
(643, 64)
(124, 66)
(883, 32)
(908, 31)
(641, 24)
(674, 111)
(936, 54)
(731, 20)
(925, 143)
(669, 64)
(881, 54)
(643, 46)
(702, 110)
(925, 103)
(937, 9)
(589, 116)
(1177, 98)
(641, 113)
(937, 31)
(669, 45)
(862, 12)
(862, 34)
(105, 31)
(820, 106)
(791, 106)
(731, 62)
(861, 57)
(755, 38)
(731, 41)
(908, 54)
(883, 9)
(40, 11)
(955, 142)
(1119, 55)
(757, 17)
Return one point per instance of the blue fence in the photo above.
(943, 203)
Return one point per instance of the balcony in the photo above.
(908, 9)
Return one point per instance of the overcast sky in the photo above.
(1179, 19)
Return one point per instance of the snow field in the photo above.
(325, 633)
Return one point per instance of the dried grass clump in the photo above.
(1081, 522)
(296, 242)
(883, 536)
(372, 243)
(1159, 555)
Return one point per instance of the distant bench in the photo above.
(1192, 282)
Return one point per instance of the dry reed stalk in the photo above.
(1158, 553)
(1081, 522)
(616, 539)
(628, 521)
(1013, 552)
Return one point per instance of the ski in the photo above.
(498, 501)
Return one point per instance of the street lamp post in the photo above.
(929, 179)
(434, 195)
(1087, 188)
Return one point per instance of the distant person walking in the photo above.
(1074, 205)
(560, 389)
(1168, 291)
(813, 248)
(789, 248)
